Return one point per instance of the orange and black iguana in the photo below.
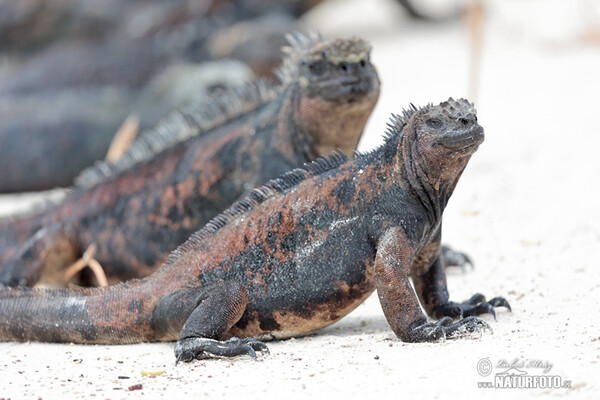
(177, 177)
(293, 256)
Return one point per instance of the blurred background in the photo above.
(526, 207)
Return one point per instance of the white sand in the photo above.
(526, 209)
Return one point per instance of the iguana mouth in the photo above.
(363, 81)
(464, 139)
(348, 88)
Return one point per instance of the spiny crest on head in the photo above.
(313, 48)
(299, 46)
(350, 50)
(457, 108)
(397, 122)
(452, 108)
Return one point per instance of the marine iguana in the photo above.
(293, 256)
(178, 176)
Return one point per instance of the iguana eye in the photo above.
(317, 68)
(434, 123)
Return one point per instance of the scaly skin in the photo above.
(292, 257)
(142, 210)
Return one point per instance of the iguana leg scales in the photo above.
(476, 305)
(199, 348)
(454, 258)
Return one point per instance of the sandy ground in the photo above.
(526, 210)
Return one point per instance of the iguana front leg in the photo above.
(49, 250)
(429, 278)
(219, 307)
(400, 305)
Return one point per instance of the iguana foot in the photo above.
(446, 329)
(453, 258)
(476, 305)
(199, 348)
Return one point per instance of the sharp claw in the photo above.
(500, 302)
(483, 308)
(255, 345)
(469, 260)
(251, 352)
(491, 310)
(443, 336)
(261, 347)
(455, 258)
(476, 299)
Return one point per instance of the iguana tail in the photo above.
(116, 314)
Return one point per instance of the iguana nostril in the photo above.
(464, 121)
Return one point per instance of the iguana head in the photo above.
(447, 131)
(435, 144)
(338, 89)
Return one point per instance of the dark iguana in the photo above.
(292, 256)
(177, 177)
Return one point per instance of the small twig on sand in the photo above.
(125, 135)
(87, 260)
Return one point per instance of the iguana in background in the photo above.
(178, 176)
(72, 128)
(293, 256)
(57, 117)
